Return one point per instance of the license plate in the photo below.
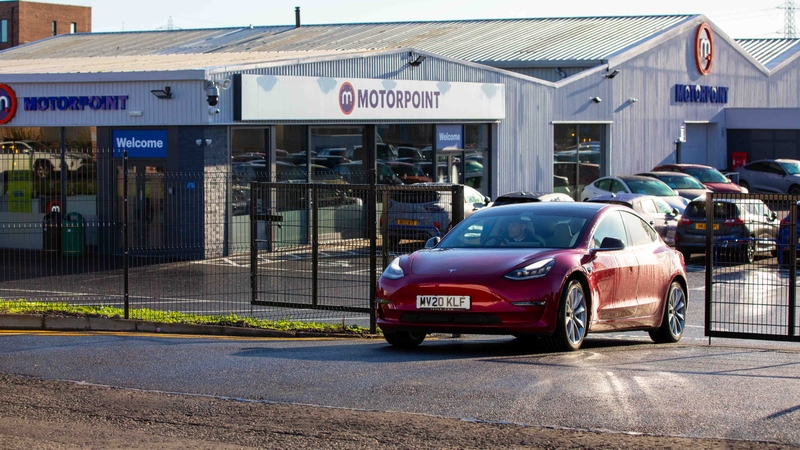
(702, 226)
(443, 302)
(406, 222)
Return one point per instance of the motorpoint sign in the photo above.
(8, 104)
(271, 97)
(704, 48)
(140, 143)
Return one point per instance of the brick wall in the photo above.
(29, 21)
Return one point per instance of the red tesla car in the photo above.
(555, 270)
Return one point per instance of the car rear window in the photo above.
(722, 210)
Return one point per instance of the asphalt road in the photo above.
(617, 382)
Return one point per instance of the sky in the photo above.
(737, 18)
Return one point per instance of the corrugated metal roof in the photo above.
(147, 63)
(523, 41)
(767, 50)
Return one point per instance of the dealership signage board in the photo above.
(449, 137)
(269, 97)
(140, 143)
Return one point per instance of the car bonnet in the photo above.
(461, 262)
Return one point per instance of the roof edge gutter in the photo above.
(166, 75)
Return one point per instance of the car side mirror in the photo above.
(610, 244)
(486, 201)
(432, 242)
(773, 215)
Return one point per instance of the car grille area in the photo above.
(446, 318)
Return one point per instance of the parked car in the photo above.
(407, 172)
(711, 178)
(420, 215)
(771, 175)
(44, 161)
(634, 184)
(530, 197)
(601, 278)
(322, 174)
(742, 228)
(682, 183)
(654, 210)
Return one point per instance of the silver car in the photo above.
(771, 175)
(634, 184)
(421, 215)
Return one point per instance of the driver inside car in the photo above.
(521, 230)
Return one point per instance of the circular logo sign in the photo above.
(8, 103)
(347, 98)
(704, 48)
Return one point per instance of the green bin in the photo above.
(73, 234)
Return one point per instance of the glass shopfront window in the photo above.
(579, 156)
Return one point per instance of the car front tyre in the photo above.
(744, 184)
(674, 321)
(573, 317)
(404, 339)
(43, 170)
(794, 189)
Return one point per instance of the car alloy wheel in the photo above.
(749, 252)
(674, 321)
(572, 318)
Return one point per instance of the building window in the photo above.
(579, 156)
(4, 30)
(73, 28)
(54, 28)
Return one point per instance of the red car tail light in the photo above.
(733, 222)
(686, 221)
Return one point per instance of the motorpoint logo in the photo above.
(704, 48)
(347, 98)
(8, 104)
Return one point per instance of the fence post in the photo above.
(458, 205)
(793, 267)
(314, 241)
(254, 191)
(373, 247)
(385, 226)
(709, 260)
(125, 243)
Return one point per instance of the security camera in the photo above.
(212, 110)
(212, 91)
(597, 99)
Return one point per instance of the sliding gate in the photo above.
(323, 246)
(751, 297)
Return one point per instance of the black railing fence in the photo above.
(128, 233)
(751, 278)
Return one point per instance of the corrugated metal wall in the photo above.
(549, 73)
(523, 159)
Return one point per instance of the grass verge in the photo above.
(151, 315)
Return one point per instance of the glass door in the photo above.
(579, 157)
(146, 195)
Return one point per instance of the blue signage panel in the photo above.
(140, 143)
(449, 136)
(695, 93)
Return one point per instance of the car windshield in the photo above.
(707, 175)
(677, 182)
(650, 187)
(791, 168)
(535, 230)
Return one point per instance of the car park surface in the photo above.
(711, 178)
(742, 229)
(584, 277)
(780, 176)
(656, 211)
(634, 184)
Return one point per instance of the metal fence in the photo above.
(751, 276)
(128, 233)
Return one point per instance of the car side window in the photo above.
(662, 206)
(603, 185)
(757, 167)
(776, 169)
(648, 206)
(610, 226)
(617, 186)
(471, 196)
(641, 233)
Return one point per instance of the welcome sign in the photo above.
(140, 143)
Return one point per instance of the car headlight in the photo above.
(531, 271)
(394, 271)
